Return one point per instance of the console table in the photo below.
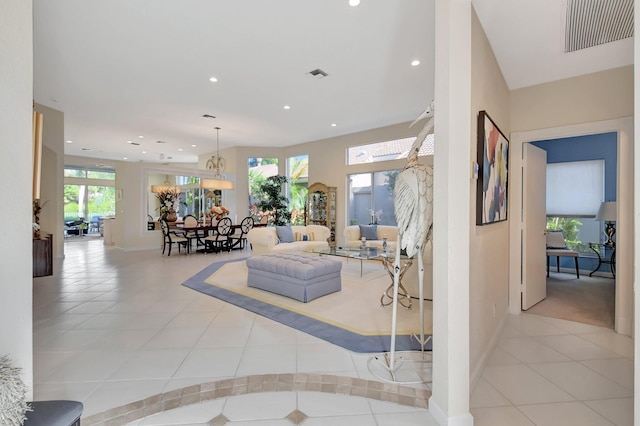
(602, 258)
(43, 256)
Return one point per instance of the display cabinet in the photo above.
(322, 207)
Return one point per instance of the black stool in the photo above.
(54, 413)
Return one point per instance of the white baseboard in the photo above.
(440, 416)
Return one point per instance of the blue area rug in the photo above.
(331, 333)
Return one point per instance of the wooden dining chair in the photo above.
(169, 238)
(219, 240)
(240, 239)
(190, 221)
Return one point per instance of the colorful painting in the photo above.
(493, 156)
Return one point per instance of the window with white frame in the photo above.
(575, 190)
(371, 198)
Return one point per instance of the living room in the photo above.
(573, 103)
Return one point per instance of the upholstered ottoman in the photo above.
(298, 276)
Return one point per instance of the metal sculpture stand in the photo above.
(388, 361)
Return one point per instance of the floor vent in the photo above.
(594, 22)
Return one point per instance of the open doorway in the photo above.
(581, 174)
(623, 128)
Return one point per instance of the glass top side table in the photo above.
(606, 256)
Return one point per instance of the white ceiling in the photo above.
(119, 69)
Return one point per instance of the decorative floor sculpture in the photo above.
(413, 200)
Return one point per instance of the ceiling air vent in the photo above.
(318, 73)
(594, 22)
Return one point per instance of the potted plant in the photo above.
(272, 200)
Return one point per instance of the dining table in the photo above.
(202, 231)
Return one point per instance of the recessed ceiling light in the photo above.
(287, 107)
(144, 152)
(415, 63)
(180, 149)
(333, 124)
(354, 3)
(124, 158)
(213, 79)
(193, 146)
(141, 137)
(69, 141)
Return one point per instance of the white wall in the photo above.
(489, 244)
(593, 97)
(16, 82)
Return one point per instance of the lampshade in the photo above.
(216, 184)
(608, 212)
(165, 187)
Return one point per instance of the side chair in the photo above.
(240, 239)
(190, 221)
(169, 238)
(557, 246)
(219, 240)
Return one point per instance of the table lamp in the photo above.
(608, 213)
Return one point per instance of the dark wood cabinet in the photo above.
(43, 256)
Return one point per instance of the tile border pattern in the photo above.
(300, 382)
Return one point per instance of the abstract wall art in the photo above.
(493, 156)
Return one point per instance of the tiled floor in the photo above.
(113, 327)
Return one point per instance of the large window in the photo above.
(259, 170)
(298, 176)
(89, 194)
(371, 198)
(574, 192)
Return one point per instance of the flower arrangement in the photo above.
(218, 212)
(168, 201)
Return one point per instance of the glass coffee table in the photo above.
(387, 258)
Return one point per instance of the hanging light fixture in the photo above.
(217, 163)
(166, 187)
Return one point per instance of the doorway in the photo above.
(624, 195)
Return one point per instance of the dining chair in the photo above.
(219, 240)
(240, 239)
(190, 221)
(169, 238)
(557, 246)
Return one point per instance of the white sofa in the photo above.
(352, 236)
(265, 239)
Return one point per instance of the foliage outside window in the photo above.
(89, 193)
(259, 170)
(298, 175)
(578, 232)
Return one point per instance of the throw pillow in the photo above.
(285, 234)
(299, 236)
(370, 232)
